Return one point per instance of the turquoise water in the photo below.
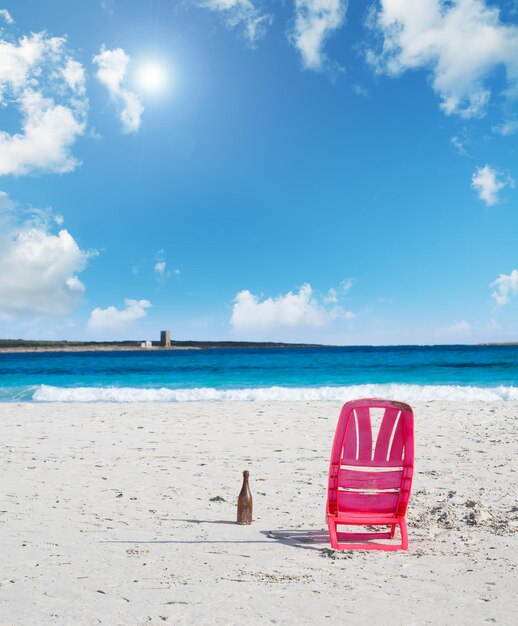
(404, 372)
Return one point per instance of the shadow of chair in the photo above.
(306, 539)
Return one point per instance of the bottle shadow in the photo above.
(194, 542)
(197, 541)
(200, 521)
(317, 540)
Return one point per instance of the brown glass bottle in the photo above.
(244, 502)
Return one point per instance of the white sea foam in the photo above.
(409, 393)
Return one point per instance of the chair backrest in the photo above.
(367, 476)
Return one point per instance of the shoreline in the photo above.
(196, 345)
(30, 350)
(221, 345)
(281, 394)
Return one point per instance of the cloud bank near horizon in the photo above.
(113, 320)
(291, 310)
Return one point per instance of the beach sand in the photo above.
(123, 514)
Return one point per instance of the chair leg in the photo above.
(404, 534)
(332, 534)
(349, 544)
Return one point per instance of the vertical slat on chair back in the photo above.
(350, 441)
(365, 435)
(358, 437)
(390, 441)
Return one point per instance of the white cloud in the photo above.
(107, 5)
(242, 13)
(509, 127)
(38, 269)
(346, 285)
(315, 21)
(331, 296)
(459, 146)
(505, 286)
(163, 272)
(457, 330)
(40, 79)
(113, 320)
(291, 310)
(461, 42)
(487, 184)
(360, 90)
(48, 132)
(74, 75)
(161, 268)
(112, 72)
(6, 16)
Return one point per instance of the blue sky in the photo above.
(314, 170)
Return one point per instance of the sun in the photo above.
(152, 77)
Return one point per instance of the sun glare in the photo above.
(152, 77)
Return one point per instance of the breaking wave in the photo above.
(409, 393)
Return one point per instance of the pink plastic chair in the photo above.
(370, 485)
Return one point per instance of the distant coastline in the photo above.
(22, 345)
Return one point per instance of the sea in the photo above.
(406, 373)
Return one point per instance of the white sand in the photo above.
(106, 518)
